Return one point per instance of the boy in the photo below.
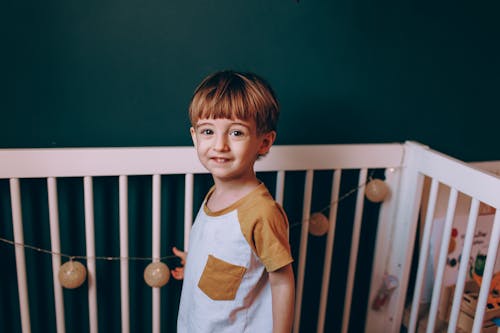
(238, 275)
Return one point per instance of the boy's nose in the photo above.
(220, 143)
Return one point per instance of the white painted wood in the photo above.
(443, 253)
(156, 237)
(327, 265)
(306, 212)
(462, 176)
(462, 272)
(328, 157)
(188, 207)
(90, 243)
(280, 187)
(124, 264)
(404, 229)
(55, 248)
(22, 284)
(487, 274)
(71, 162)
(424, 254)
(375, 319)
(353, 255)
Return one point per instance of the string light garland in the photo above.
(72, 274)
(377, 193)
(73, 257)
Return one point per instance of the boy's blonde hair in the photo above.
(236, 95)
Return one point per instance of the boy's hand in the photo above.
(178, 272)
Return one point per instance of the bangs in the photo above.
(233, 96)
(220, 102)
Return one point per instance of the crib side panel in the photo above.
(467, 189)
(119, 203)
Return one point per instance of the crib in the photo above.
(116, 209)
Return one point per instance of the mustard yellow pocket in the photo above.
(220, 280)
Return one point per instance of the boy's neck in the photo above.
(228, 192)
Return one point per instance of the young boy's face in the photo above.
(228, 148)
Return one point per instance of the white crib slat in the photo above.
(424, 253)
(306, 211)
(156, 247)
(124, 264)
(462, 272)
(188, 207)
(90, 243)
(56, 248)
(22, 283)
(353, 256)
(487, 274)
(327, 266)
(443, 252)
(280, 186)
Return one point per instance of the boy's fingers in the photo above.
(180, 254)
(178, 273)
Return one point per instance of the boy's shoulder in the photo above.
(262, 196)
(260, 204)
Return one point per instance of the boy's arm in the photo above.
(283, 295)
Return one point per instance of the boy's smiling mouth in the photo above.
(220, 159)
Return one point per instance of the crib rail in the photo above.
(402, 165)
(79, 162)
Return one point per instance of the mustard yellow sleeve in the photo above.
(270, 238)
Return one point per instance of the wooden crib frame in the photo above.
(405, 167)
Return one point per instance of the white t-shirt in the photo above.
(226, 284)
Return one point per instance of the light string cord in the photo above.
(341, 198)
(74, 257)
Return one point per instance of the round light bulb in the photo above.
(376, 190)
(72, 274)
(318, 224)
(156, 274)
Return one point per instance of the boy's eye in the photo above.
(206, 131)
(237, 133)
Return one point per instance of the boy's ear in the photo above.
(267, 142)
(193, 135)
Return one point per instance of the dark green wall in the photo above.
(120, 73)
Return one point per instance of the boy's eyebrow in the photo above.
(247, 125)
(244, 124)
(202, 123)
